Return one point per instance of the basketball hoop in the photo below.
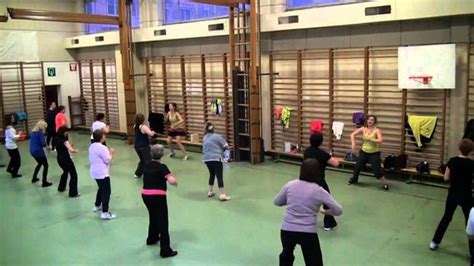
(422, 79)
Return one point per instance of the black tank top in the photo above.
(141, 140)
(61, 149)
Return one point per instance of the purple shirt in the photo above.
(99, 159)
(303, 200)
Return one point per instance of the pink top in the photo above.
(61, 120)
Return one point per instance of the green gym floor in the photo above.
(40, 226)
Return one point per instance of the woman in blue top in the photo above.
(213, 146)
(37, 144)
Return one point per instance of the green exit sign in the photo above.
(51, 72)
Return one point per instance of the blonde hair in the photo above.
(40, 126)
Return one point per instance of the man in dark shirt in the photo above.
(459, 171)
(324, 159)
(51, 129)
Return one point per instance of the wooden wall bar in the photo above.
(332, 84)
(21, 89)
(99, 91)
(470, 91)
(192, 82)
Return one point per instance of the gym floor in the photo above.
(42, 226)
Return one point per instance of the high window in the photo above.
(292, 4)
(108, 8)
(177, 11)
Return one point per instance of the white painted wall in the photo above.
(67, 80)
(50, 35)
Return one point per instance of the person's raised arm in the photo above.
(334, 162)
(353, 135)
(170, 178)
(379, 137)
(334, 208)
(447, 173)
(69, 147)
(146, 130)
(180, 118)
(281, 199)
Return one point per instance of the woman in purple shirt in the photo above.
(99, 158)
(304, 198)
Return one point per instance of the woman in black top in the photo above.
(142, 143)
(323, 159)
(63, 148)
(155, 176)
(459, 171)
(51, 121)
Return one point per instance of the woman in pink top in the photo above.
(61, 119)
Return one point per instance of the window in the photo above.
(292, 4)
(177, 11)
(109, 8)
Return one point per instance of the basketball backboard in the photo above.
(427, 67)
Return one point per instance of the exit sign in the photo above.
(51, 72)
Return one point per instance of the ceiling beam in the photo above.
(228, 3)
(44, 15)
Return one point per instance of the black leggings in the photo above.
(15, 161)
(215, 170)
(158, 222)
(145, 156)
(363, 159)
(451, 204)
(310, 247)
(50, 138)
(103, 194)
(329, 220)
(42, 161)
(68, 168)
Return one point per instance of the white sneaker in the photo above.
(211, 194)
(96, 209)
(171, 154)
(107, 216)
(224, 197)
(186, 158)
(329, 228)
(433, 245)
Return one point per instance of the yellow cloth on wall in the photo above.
(422, 126)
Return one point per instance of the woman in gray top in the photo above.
(213, 146)
(304, 198)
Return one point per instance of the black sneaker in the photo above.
(16, 175)
(47, 184)
(170, 254)
(34, 180)
(352, 181)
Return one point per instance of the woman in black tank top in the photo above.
(142, 143)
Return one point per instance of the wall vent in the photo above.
(99, 38)
(288, 20)
(378, 10)
(75, 41)
(159, 32)
(214, 27)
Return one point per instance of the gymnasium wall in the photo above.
(454, 29)
(50, 35)
(415, 32)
